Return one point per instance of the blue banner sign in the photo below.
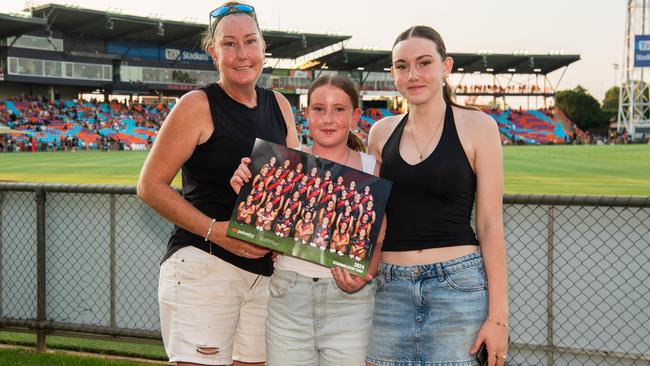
(642, 51)
(153, 52)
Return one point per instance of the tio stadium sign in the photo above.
(642, 51)
(175, 54)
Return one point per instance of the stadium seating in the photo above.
(81, 124)
(531, 126)
(78, 124)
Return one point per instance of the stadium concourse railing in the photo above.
(84, 260)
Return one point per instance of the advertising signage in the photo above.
(155, 53)
(641, 50)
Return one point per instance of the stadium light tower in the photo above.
(634, 98)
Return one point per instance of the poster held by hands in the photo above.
(310, 207)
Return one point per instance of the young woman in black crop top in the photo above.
(451, 283)
(205, 275)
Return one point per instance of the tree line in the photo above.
(585, 111)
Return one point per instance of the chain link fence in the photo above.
(85, 259)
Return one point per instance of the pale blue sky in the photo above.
(594, 29)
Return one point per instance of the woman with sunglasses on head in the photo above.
(318, 316)
(442, 289)
(214, 289)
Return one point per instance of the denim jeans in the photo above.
(428, 315)
(312, 322)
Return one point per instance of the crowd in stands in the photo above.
(536, 126)
(42, 124)
(499, 89)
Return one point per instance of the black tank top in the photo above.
(206, 174)
(430, 204)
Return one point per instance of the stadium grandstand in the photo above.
(73, 78)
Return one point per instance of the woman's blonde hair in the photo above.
(207, 37)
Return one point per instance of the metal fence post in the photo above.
(111, 229)
(40, 197)
(550, 361)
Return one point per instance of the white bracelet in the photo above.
(207, 236)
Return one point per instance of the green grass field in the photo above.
(31, 358)
(100, 348)
(568, 170)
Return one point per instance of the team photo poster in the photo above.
(310, 208)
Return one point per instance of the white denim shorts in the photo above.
(211, 312)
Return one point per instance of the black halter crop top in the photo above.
(431, 202)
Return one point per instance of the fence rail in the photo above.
(84, 259)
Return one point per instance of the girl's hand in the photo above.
(241, 176)
(495, 336)
(349, 282)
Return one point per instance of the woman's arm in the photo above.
(187, 125)
(488, 165)
(285, 107)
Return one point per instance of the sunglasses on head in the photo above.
(222, 11)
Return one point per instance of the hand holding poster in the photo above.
(310, 208)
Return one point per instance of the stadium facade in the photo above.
(61, 52)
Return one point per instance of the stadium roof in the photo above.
(115, 27)
(129, 28)
(293, 45)
(12, 25)
(355, 59)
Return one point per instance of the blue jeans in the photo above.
(315, 323)
(428, 315)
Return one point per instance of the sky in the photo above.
(594, 29)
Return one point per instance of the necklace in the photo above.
(420, 152)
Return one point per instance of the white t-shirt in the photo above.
(310, 269)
